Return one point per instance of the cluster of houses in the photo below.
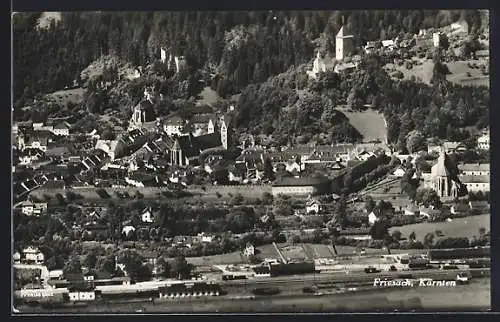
(29, 255)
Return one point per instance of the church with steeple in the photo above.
(344, 47)
(186, 149)
(442, 179)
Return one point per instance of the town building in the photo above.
(475, 183)
(436, 39)
(147, 215)
(372, 218)
(163, 55)
(143, 116)
(356, 234)
(174, 126)
(474, 169)
(299, 186)
(203, 124)
(39, 143)
(32, 255)
(313, 206)
(62, 129)
(483, 142)
(82, 293)
(399, 172)
(249, 250)
(33, 208)
(321, 64)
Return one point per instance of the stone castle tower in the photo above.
(344, 44)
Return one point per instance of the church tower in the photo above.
(176, 154)
(343, 44)
(223, 134)
(139, 116)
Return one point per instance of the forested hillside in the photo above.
(240, 48)
(289, 106)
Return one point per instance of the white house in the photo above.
(483, 142)
(399, 172)
(33, 255)
(77, 296)
(174, 126)
(127, 230)
(372, 218)
(16, 257)
(292, 166)
(37, 143)
(313, 206)
(62, 129)
(436, 39)
(388, 44)
(205, 238)
(474, 169)
(249, 250)
(364, 155)
(147, 216)
(234, 177)
(27, 208)
(411, 210)
(39, 208)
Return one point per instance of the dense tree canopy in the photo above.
(242, 47)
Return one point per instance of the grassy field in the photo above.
(459, 75)
(208, 97)
(458, 70)
(459, 227)
(369, 123)
(62, 97)
(294, 252)
(422, 72)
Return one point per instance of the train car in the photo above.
(292, 268)
(190, 289)
(459, 253)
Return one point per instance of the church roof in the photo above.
(439, 169)
(193, 146)
(208, 141)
